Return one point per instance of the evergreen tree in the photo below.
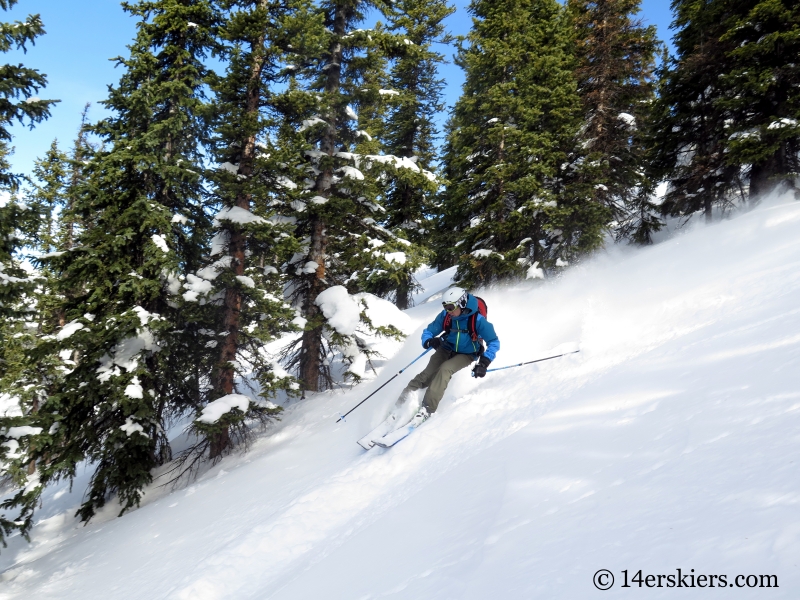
(383, 265)
(252, 183)
(18, 314)
(133, 353)
(49, 195)
(615, 54)
(82, 149)
(30, 375)
(761, 101)
(18, 225)
(336, 222)
(507, 211)
(415, 98)
(29, 379)
(642, 219)
(689, 148)
(18, 86)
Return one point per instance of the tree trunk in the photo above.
(32, 463)
(537, 232)
(311, 349)
(403, 296)
(501, 191)
(765, 177)
(402, 299)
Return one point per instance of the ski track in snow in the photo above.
(669, 441)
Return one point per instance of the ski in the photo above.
(391, 438)
(367, 442)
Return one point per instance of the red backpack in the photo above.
(471, 322)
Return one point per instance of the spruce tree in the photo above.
(49, 195)
(382, 265)
(643, 213)
(337, 222)
(81, 150)
(18, 227)
(134, 365)
(615, 70)
(19, 289)
(249, 187)
(18, 102)
(761, 100)
(689, 150)
(415, 99)
(36, 369)
(728, 104)
(29, 375)
(507, 211)
(18, 85)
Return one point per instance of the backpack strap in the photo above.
(472, 326)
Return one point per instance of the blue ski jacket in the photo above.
(459, 338)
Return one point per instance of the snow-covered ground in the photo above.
(671, 441)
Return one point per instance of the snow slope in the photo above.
(672, 440)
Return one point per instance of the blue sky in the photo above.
(82, 35)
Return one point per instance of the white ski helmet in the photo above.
(457, 296)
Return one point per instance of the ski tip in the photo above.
(369, 447)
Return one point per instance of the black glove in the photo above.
(433, 342)
(479, 370)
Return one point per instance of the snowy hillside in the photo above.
(671, 441)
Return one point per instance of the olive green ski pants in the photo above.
(435, 377)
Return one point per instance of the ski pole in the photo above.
(341, 417)
(532, 361)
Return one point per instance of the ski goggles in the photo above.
(460, 303)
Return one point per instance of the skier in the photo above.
(455, 350)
